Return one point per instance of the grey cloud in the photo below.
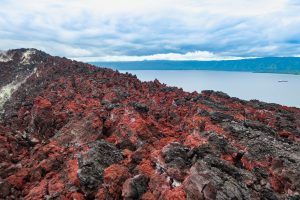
(77, 30)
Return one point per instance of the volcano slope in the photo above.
(71, 130)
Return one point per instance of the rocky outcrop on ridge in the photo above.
(70, 130)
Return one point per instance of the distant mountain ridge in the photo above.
(288, 65)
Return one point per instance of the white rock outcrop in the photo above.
(4, 57)
(27, 56)
(7, 90)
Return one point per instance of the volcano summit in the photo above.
(70, 130)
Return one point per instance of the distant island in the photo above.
(284, 65)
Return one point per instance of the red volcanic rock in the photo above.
(72, 166)
(70, 130)
(76, 195)
(17, 180)
(148, 196)
(175, 194)
(115, 173)
(42, 103)
(38, 191)
(114, 176)
(55, 186)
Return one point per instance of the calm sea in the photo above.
(244, 85)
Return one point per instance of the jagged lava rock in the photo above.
(70, 130)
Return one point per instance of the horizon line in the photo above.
(178, 60)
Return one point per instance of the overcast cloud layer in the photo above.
(162, 29)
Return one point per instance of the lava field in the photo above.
(70, 130)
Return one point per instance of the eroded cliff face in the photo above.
(70, 130)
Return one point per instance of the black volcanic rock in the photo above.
(92, 164)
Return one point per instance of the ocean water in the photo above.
(244, 85)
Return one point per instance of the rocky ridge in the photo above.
(70, 130)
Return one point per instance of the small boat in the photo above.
(282, 81)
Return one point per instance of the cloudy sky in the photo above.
(155, 29)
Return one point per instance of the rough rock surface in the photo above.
(70, 130)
